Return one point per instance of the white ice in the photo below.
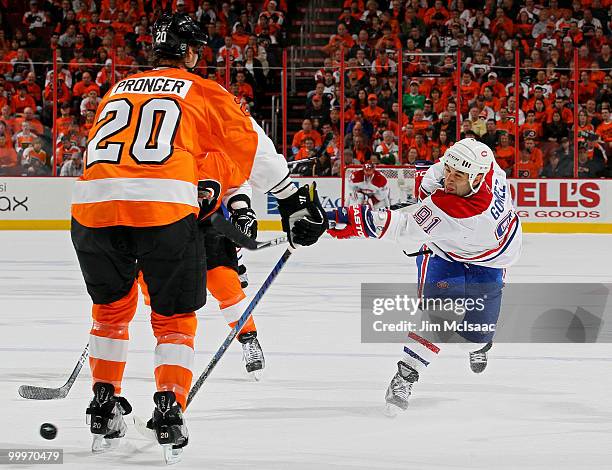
(320, 403)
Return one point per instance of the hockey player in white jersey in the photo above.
(468, 233)
(369, 186)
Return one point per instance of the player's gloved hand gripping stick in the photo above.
(302, 216)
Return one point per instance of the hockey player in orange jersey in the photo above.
(137, 205)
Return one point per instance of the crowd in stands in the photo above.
(101, 41)
(440, 104)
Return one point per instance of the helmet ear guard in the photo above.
(471, 157)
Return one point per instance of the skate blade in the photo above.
(257, 375)
(391, 410)
(100, 444)
(171, 455)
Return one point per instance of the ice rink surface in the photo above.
(320, 403)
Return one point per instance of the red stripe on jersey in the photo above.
(461, 207)
(432, 347)
(490, 252)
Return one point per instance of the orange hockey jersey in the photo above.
(152, 130)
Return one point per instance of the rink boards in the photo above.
(553, 206)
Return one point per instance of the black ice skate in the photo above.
(252, 354)
(169, 426)
(242, 275)
(400, 388)
(105, 417)
(478, 359)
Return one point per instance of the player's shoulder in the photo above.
(459, 207)
(357, 176)
(379, 179)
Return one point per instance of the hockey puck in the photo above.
(48, 431)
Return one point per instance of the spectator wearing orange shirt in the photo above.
(361, 151)
(240, 37)
(531, 160)
(436, 15)
(22, 100)
(388, 41)
(604, 130)
(419, 122)
(28, 116)
(566, 114)
(586, 88)
(372, 112)
(501, 22)
(490, 100)
(531, 125)
(498, 89)
(88, 124)
(244, 88)
(306, 131)
(503, 121)
(538, 94)
(34, 158)
(63, 93)
(123, 61)
(65, 120)
(584, 126)
(408, 135)
(307, 150)
(423, 150)
(110, 13)
(33, 89)
(65, 150)
(8, 157)
(504, 153)
(468, 90)
(342, 39)
(84, 86)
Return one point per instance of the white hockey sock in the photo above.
(419, 352)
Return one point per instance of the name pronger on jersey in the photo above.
(153, 86)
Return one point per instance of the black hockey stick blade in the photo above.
(226, 228)
(31, 392)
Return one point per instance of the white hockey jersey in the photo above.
(481, 229)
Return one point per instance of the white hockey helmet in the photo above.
(469, 156)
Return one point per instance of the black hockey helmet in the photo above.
(173, 33)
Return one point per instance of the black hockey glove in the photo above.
(303, 217)
(245, 220)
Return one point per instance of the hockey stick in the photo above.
(32, 392)
(241, 322)
(226, 228)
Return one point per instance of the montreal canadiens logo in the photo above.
(442, 285)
